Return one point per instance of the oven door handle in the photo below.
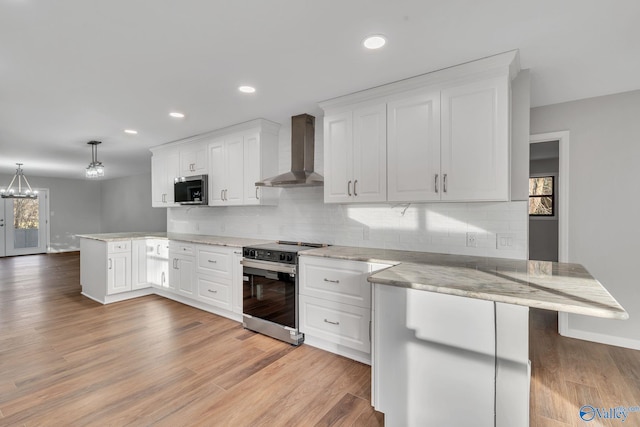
(269, 266)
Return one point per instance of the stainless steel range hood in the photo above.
(302, 146)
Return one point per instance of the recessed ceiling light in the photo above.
(247, 89)
(374, 42)
(176, 115)
(131, 131)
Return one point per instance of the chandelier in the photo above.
(95, 168)
(26, 193)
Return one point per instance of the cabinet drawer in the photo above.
(336, 280)
(119, 246)
(342, 324)
(214, 291)
(213, 260)
(180, 248)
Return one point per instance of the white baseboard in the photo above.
(565, 330)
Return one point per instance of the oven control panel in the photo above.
(269, 255)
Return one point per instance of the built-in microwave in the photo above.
(191, 190)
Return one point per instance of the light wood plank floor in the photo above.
(66, 360)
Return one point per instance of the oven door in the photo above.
(269, 292)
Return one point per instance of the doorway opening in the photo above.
(543, 200)
(24, 225)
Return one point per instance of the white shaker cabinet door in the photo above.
(234, 191)
(413, 126)
(217, 173)
(475, 141)
(338, 152)
(370, 154)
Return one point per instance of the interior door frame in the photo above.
(43, 194)
(3, 228)
(563, 204)
(563, 187)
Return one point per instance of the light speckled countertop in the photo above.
(236, 242)
(552, 286)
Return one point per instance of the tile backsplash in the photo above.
(301, 215)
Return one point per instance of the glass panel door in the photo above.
(26, 223)
(2, 227)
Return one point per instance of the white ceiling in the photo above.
(76, 70)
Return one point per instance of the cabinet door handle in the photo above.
(444, 183)
(164, 198)
(225, 195)
(158, 250)
(355, 192)
(257, 198)
(212, 261)
(330, 322)
(110, 263)
(349, 188)
(221, 194)
(212, 291)
(435, 181)
(162, 278)
(331, 281)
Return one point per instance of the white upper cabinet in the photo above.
(413, 125)
(193, 159)
(475, 141)
(234, 158)
(355, 155)
(237, 161)
(338, 155)
(164, 170)
(226, 171)
(442, 136)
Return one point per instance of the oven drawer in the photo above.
(336, 280)
(214, 260)
(214, 291)
(342, 324)
(119, 246)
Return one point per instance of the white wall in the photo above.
(604, 206)
(301, 215)
(126, 206)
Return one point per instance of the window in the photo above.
(541, 197)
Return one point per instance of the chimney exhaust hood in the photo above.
(302, 146)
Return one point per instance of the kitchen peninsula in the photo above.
(449, 342)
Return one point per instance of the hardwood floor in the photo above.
(568, 373)
(66, 360)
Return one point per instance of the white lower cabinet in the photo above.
(335, 305)
(118, 267)
(215, 291)
(181, 268)
(158, 262)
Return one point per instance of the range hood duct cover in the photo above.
(302, 146)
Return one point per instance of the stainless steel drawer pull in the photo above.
(355, 192)
(257, 197)
(444, 182)
(349, 188)
(212, 261)
(212, 291)
(331, 281)
(330, 322)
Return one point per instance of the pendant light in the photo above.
(26, 193)
(95, 168)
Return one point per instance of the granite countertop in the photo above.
(236, 242)
(547, 285)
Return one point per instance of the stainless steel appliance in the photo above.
(191, 190)
(270, 289)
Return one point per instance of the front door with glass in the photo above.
(26, 225)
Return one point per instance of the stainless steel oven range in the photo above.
(270, 289)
